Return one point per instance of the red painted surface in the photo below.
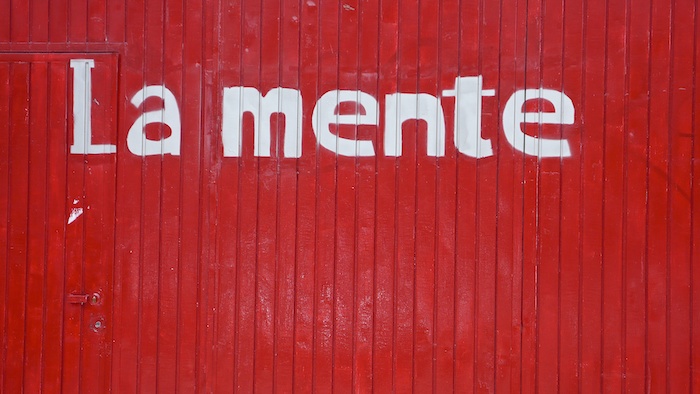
(313, 267)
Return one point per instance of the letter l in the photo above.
(82, 102)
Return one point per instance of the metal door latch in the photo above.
(83, 299)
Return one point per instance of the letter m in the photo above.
(239, 100)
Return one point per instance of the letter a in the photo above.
(170, 116)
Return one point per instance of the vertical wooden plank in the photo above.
(406, 195)
(572, 189)
(366, 192)
(344, 275)
(222, 374)
(265, 278)
(506, 262)
(19, 21)
(5, 27)
(525, 245)
(549, 206)
(56, 224)
(287, 224)
(219, 317)
(636, 153)
(97, 20)
(16, 273)
(148, 295)
(115, 22)
(170, 200)
(126, 372)
(346, 46)
(695, 272)
(207, 223)
(535, 368)
(466, 230)
(190, 278)
(5, 115)
(613, 203)
(151, 215)
(495, 193)
(76, 323)
(36, 229)
(592, 173)
(284, 368)
(510, 191)
(679, 259)
(268, 32)
(39, 22)
(424, 331)
(364, 303)
(535, 286)
(426, 190)
(465, 251)
(485, 188)
(284, 330)
(78, 22)
(386, 233)
(446, 204)
(57, 22)
(405, 268)
(98, 237)
(306, 199)
(248, 202)
(119, 311)
(326, 214)
(657, 378)
(15, 260)
(350, 182)
(227, 59)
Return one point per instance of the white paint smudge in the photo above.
(74, 214)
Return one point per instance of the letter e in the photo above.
(513, 116)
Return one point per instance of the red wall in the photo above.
(220, 271)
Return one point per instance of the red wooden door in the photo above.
(56, 223)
